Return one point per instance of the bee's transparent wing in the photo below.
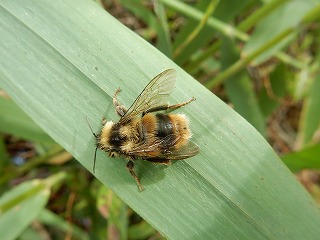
(153, 95)
(186, 151)
(165, 149)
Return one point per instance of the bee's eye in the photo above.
(117, 140)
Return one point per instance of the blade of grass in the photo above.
(5, 159)
(239, 89)
(8, 174)
(310, 116)
(305, 158)
(164, 44)
(275, 89)
(226, 29)
(72, 59)
(14, 121)
(241, 63)
(195, 63)
(142, 230)
(156, 23)
(49, 218)
(196, 31)
(196, 14)
(259, 14)
(22, 204)
(244, 26)
(225, 12)
(115, 211)
(288, 16)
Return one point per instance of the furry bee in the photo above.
(144, 132)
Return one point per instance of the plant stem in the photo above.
(237, 66)
(211, 7)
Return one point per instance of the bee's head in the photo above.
(98, 140)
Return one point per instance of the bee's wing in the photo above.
(153, 95)
(154, 150)
(186, 151)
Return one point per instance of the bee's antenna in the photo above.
(91, 128)
(94, 160)
(95, 151)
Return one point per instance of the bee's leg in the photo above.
(104, 121)
(130, 168)
(173, 107)
(120, 109)
(168, 108)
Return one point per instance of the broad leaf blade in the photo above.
(62, 61)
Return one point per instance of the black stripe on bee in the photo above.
(165, 130)
(116, 140)
(165, 127)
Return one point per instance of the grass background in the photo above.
(61, 62)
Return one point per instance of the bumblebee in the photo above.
(146, 131)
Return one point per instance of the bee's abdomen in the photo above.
(171, 129)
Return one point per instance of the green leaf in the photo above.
(239, 89)
(141, 230)
(3, 155)
(274, 89)
(20, 206)
(14, 121)
(225, 11)
(49, 218)
(284, 17)
(31, 233)
(158, 23)
(310, 117)
(72, 56)
(115, 211)
(305, 158)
